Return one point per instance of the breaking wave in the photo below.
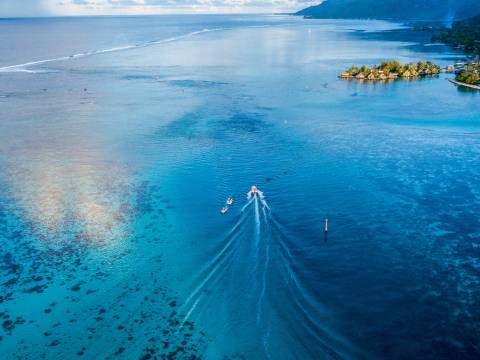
(24, 67)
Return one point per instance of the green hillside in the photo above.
(464, 34)
(439, 10)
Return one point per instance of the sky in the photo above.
(20, 8)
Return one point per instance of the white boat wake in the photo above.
(257, 258)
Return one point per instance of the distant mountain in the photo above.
(464, 34)
(438, 10)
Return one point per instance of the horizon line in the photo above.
(141, 15)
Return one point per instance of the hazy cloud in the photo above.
(102, 7)
(23, 8)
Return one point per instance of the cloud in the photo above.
(128, 7)
(9, 8)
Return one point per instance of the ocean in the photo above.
(122, 137)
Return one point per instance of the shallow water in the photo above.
(116, 161)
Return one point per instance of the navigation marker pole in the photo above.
(326, 229)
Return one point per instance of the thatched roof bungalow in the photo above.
(392, 70)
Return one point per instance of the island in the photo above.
(469, 76)
(464, 35)
(437, 10)
(392, 70)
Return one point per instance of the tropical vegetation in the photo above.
(392, 70)
(463, 34)
(437, 10)
(470, 75)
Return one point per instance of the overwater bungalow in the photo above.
(391, 70)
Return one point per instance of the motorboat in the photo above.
(254, 191)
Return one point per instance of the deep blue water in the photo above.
(119, 146)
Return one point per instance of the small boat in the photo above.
(229, 201)
(224, 210)
(254, 191)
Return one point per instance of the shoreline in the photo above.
(459, 83)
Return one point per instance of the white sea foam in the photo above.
(264, 275)
(25, 66)
(257, 220)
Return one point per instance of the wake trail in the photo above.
(210, 280)
(297, 290)
(274, 252)
(214, 266)
(302, 298)
(267, 331)
(264, 274)
(289, 260)
(212, 283)
(247, 205)
(218, 263)
(260, 199)
(301, 302)
(257, 239)
(257, 220)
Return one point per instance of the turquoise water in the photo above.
(122, 138)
